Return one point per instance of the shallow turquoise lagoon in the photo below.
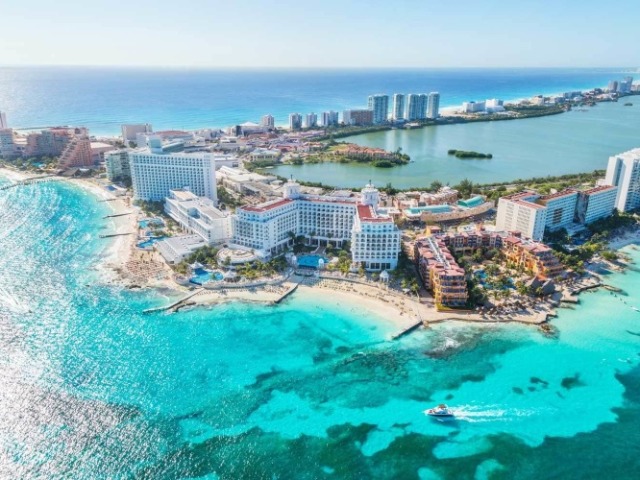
(313, 388)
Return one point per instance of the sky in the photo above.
(326, 33)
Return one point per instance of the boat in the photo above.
(440, 411)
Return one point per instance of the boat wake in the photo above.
(489, 413)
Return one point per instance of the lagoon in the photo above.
(573, 142)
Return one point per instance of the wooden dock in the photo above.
(109, 235)
(286, 294)
(407, 330)
(174, 304)
(29, 181)
(118, 215)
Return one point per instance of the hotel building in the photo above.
(561, 208)
(269, 227)
(415, 107)
(398, 106)
(154, 172)
(199, 216)
(433, 105)
(533, 257)
(130, 132)
(295, 121)
(268, 121)
(595, 203)
(379, 104)
(117, 166)
(3, 121)
(329, 119)
(310, 120)
(7, 143)
(520, 213)
(77, 153)
(357, 117)
(623, 171)
(440, 272)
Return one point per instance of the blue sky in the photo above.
(327, 33)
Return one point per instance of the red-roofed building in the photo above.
(270, 228)
(440, 273)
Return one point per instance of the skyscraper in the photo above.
(295, 121)
(613, 86)
(625, 85)
(422, 106)
(379, 104)
(310, 120)
(3, 120)
(623, 171)
(329, 119)
(412, 110)
(398, 106)
(433, 105)
(268, 121)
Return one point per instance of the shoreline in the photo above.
(398, 311)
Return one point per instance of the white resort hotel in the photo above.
(155, 171)
(269, 228)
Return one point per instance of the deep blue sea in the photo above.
(91, 388)
(104, 98)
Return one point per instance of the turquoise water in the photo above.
(181, 98)
(149, 242)
(92, 388)
(471, 202)
(567, 143)
(201, 276)
(430, 209)
(312, 261)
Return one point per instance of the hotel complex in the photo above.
(623, 171)
(270, 228)
(447, 280)
(531, 214)
(155, 172)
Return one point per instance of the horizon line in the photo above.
(266, 67)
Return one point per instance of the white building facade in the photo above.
(130, 132)
(519, 213)
(596, 203)
(198, 215)
(155, 174)
(623, 171)
(269, 228)
(379, 104)
(561, 208)
(433, 105)
(398, 106)
(117, 166)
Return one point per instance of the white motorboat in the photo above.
(440, 411)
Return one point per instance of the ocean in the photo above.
(92, 388)
(104, 98)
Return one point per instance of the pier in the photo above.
(287, 293)
(29, 181)
(110, 235)
(407, 330)
(114, 215)
(174, 304)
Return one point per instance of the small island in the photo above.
(465, 154)
(628, 104)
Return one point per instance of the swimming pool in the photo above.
(471, 202)
(148, 243)
(151, 222)
(312, 261)
(429, 209)
(200, 276)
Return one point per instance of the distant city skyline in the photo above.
(206, 34)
